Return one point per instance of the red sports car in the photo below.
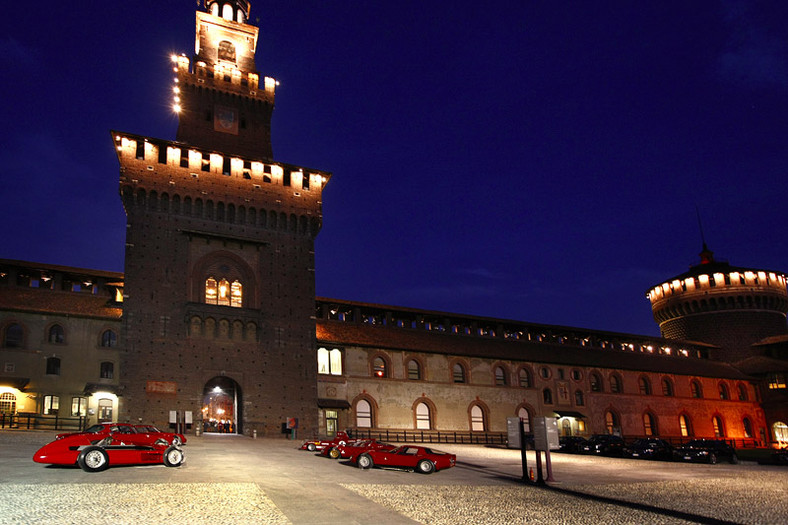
(94, 455)
(352, 450)
(419, 459)
(129, 434)
(316, 444)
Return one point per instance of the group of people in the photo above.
(220, 426)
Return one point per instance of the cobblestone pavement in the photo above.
(234, 479)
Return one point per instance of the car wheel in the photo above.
(426, 466)
(712, 459)
(365, 461)
(734, 459)
(173, 456)
(177, 441)
(333, 453)
(311, 447)
(93, 459)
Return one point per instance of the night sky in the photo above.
(537, 161)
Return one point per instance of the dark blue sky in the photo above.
(539, 161)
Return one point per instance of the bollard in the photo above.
(254, 434)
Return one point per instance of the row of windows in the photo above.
(381, 368)
(520, 332)
(645, 388)
(106, 368)
(79, 406)
(424, 413)
(14, 336)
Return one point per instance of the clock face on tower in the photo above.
(225, 120)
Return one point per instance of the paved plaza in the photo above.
(230, 479)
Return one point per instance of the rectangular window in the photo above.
(79, 406)
(107, 370)
(286, 178)
(777, 381)
(51, 405)
(140, 154)
(329, 362)
(162, 154)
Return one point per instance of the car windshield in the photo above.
(95, 429)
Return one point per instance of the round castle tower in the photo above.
(722, 305)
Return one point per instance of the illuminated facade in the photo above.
(216, 314)
(60, 341)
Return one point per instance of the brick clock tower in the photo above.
(219, 297)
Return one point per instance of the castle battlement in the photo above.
(719, 283)
(209, 165)
(218, 79)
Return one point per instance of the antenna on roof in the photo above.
(706, 255)
(700, 226)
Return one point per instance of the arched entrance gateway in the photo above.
(221, 406)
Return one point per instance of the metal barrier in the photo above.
(40, 422)
(430, 436)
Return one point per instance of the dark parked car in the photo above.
(779, 457)
(571, 444)
(706, 450)
(603, 445)
(649, 448)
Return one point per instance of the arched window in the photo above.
(579, 401)
(14, 336)
(524, 377)
(477, 419)
(547, 396)
(525, 417)
(500, 376)
(724, 392)
(685, 425)
(7, 404)
(615, 384)
(53, 366)
(650, 424)
(329, 362)
(667, 387)
(743, 392)
(695, 389)
(107, 370)
(719, 429)
(56, 334)
(379, 367)
(223, 293)
(363, 414)
(423, 421)
(644, 385)
(458, 373)
(612, 423)
(109, 339)
(414, 370)
(747, 427)
(595, 382)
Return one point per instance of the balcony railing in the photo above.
(40, 422)
(430, 436)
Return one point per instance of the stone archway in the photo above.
(221, 406)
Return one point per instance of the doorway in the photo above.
(221, 404)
